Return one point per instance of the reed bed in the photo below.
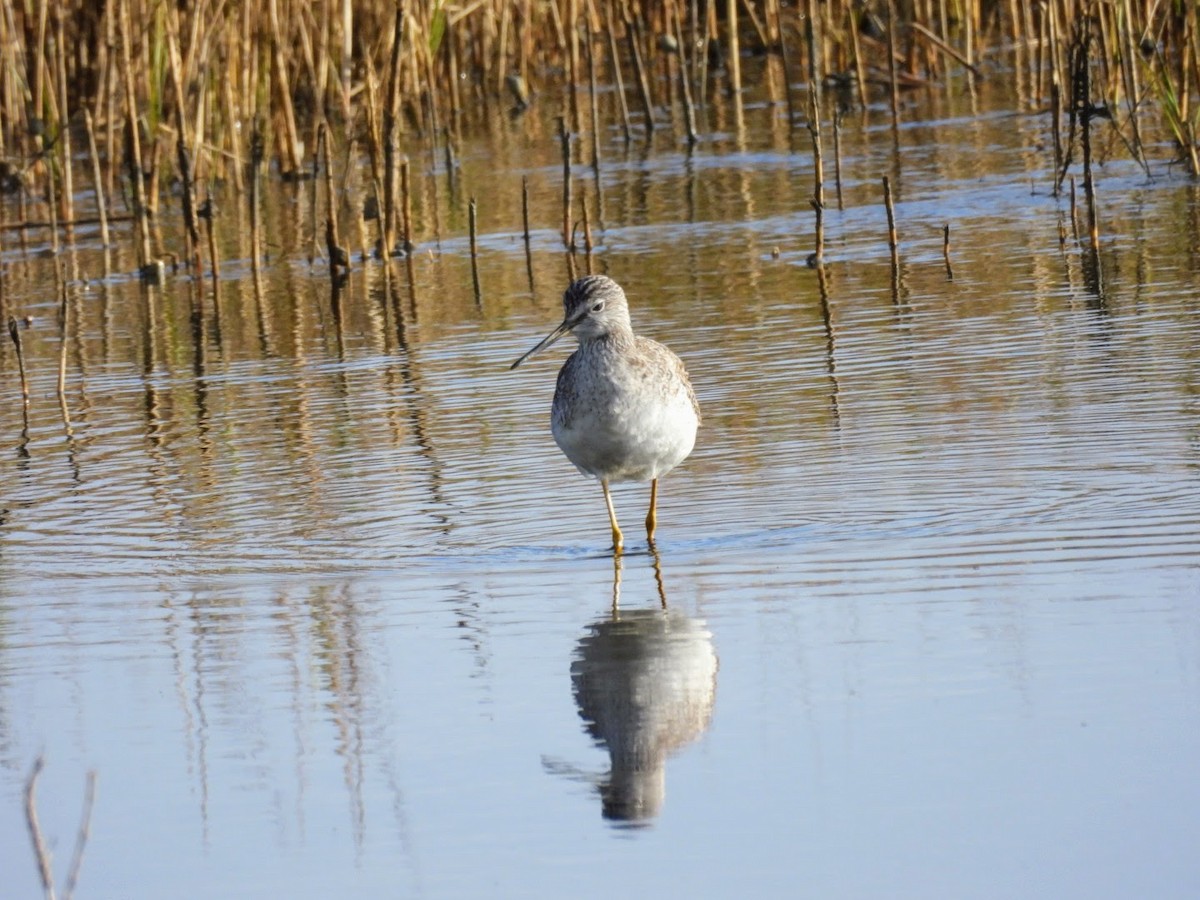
(187, 99)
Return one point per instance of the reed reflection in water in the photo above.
(644, 682)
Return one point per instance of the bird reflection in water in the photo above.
(644, 681)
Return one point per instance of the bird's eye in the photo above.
(599, 306)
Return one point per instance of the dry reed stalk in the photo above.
(837, 157)
(114, 96)
(64, 323)
(339, 258)
(615, 64)
(39, 69)
(14, 332)
(946, 252)
(471, 227)
(97, 177)
(291, 163)
(256, 161)
(1056, 131)
(346, 69)
(893, 74)
(390, 137)
(183, 158)
(525, 224)
(573, 63)
(945, 48)
(1074, 213)
(733, 50)
(206, 213)
(639, 69)
(134, 145)
(593, 103)
(525, 209)
(564, 138)
(572, 269)
(1084, 110)
(450, 160)
(685, 86)
(784, 64)
(707, 37)
(453, 79)
(373, 130)
(406, 208)
(425, 61)
(814, 130)
(860, 67)
(67, 195)
(587, 228)
(893, 241)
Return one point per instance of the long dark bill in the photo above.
(544, 343)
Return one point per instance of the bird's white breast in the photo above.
(622, 416)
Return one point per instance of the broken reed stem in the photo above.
(893, 242)
(818, 198)
(14, 332)
(64, 311)
(391, 137)
(860, 67)
(134, 148)
(52, 207)
(814, 130)
(525, 210)
(945, 48)
(1056, 130)
(593, 101)
(66, 195)
(339, 258)
(837, 157)
(639, 69)
(63, 331)
(615, 66)
(893, 74)
(208, 212)
(182, 156)
(291, 162)
(785, 66)
(1089, 185)
(188, 199)
(733, 51)
(565, 139)
(97, 176)
(405, 208)
(1074, 212)
(946, 252)
(587, 229)
(689, 111)
(471, 225)
(256, 159)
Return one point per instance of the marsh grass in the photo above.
(221, 94)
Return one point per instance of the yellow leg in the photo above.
(652, 516)
(618, 538)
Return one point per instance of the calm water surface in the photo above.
(312, 591)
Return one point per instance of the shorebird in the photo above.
(624, 409)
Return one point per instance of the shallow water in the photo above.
(311, 590)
